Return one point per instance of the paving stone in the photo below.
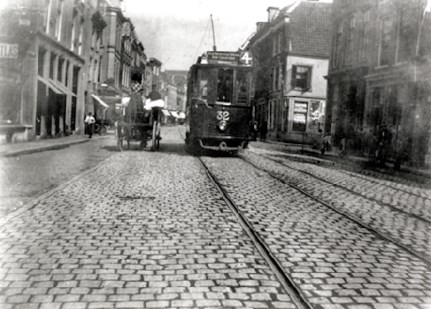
(294, 227)
(143, 229)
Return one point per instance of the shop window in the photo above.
(301, 77)
(300, 111)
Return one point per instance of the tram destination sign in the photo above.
(225, 57)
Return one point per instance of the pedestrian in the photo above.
(90, 121)
(255, 129)
(263, 131)
(384, 143)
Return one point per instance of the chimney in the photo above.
(260, 25)
(272, 13)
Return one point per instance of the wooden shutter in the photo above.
(309, 75)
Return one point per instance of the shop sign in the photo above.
(299, 118)
(301, 107)
(8, 51)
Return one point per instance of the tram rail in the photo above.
(423, 257)
(395, 207)
(289, 286)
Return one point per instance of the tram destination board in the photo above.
(229, 57)
(223, 57)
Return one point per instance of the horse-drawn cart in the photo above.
(145, 125)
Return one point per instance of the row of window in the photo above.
(397, 35)
(58, 69)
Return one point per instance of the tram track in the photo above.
(394, 207)
(424, 258)
(353, 218)
(368, 178)
(282, 236)
(288, 285)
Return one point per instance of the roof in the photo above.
(310, 29)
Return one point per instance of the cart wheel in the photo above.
(155, 137)
(158, 138)
(143, 142)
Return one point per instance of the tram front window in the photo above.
(207, 79)
(224, 85)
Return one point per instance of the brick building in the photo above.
(379, 77)
(291, 55)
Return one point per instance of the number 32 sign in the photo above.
(223, 115)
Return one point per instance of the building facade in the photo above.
(51, 91)
(379, 78)
(60, 44)
(291, 56)
(179, 79)
(61, 59)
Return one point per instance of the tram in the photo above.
(218, 106)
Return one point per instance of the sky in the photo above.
(177, 32)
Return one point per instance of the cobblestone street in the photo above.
(142, 230)
(150, 229)
(336, 262)
(21, 180)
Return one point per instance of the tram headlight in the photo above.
(222, 125)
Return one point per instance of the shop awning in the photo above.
(166, 112)
(99, 100)
(174, 113)
(50, 84)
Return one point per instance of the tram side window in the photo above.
(242, 88)
(225, 85)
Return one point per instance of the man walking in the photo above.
(90, 121)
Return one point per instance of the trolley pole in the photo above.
(212, 26)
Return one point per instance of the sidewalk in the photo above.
(14, 149)
(304, 153)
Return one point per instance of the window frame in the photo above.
(308, 79)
